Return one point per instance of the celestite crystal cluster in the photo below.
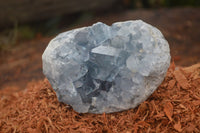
(104, 68)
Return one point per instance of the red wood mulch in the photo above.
(173, 107)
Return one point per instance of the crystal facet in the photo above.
(104, 68)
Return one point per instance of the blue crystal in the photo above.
(104, 68)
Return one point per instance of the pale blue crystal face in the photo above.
(104, 68)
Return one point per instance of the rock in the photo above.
(103, 68)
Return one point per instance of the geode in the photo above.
(103, 68)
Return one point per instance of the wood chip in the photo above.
(171, 84)
(168, 109)
(181, 79)
(177, 127)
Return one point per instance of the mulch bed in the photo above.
(173, 107)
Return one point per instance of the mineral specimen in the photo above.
(104, 68)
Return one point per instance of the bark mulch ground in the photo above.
(173, 107)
